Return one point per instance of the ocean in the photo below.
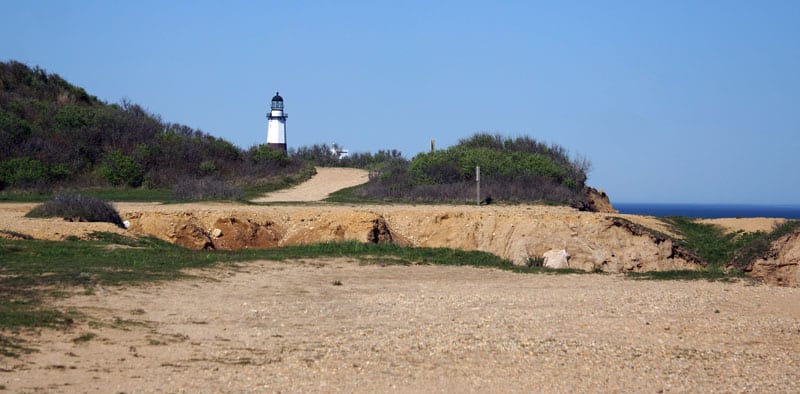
(711, 211)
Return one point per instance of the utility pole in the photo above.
(478, 184)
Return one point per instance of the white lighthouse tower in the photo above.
(276, 124)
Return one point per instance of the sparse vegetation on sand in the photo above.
(720, 249)
(727, 254)
(30, 267)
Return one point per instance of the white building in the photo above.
(276, 124)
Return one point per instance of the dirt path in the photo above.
(320, 186)
(285, 327)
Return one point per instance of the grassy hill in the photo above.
(54, 135)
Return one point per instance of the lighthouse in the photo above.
(276, 124)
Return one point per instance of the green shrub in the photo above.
(512, 170)
(77, 207)
(73, 117)
(24, 171)
(119, 169)
(208, 168)
(458, 163)
(263, 153)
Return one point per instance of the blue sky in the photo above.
(672, 101)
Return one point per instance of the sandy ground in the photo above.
(285, 327)
(325, 182)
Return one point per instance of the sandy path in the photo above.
(320, 186)
(284, 327)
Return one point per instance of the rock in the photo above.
(380, 232)
(596, 201)
(556, 258)
(192, 236)
(235, 234)
(216, 233)
(781, 265)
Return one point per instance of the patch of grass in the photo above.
(86, 337)
(350, 196)
(131, 194)
(535, 261)
(710, 242)
(29, 312)
(55, 294)
(24, 196)
(125, 324)
(336, 283)
(13, 347)
(719, 249)
(35, 263)
(709, 275)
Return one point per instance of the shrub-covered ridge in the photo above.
(512, 169)
(54, 134)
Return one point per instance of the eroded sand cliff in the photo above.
(594, 241)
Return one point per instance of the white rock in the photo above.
(556, 258)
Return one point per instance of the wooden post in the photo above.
(478, 183)
(433, 145)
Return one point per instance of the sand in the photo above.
(286, 327)
(320, 186)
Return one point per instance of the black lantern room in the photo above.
(277, 102)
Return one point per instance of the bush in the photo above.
(119, 169)
(458, 164)
(24, 171)
(78, 208)
(262, 154)
(207, 189)
(512, 170)
(208, 168)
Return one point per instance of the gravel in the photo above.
(285, 327)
